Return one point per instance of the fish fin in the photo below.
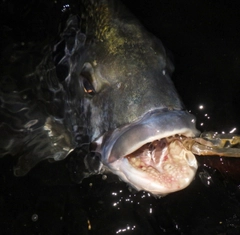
(51, 140)
(29, 133)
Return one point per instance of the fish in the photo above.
(104, 89)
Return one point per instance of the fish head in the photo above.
(135, 110)
(135, 115)
(107, 82)
(128, 81)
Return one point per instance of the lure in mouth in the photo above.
(149, 154)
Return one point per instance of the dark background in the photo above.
(203, 38)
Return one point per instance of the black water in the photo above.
(203, 37)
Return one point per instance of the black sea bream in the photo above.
(106, 85)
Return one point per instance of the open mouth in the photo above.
(160, 167)
(161, 155)
(149, 155)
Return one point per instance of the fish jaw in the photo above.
(146, 155)
(174, 173)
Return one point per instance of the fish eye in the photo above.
(88, 87)
(87, 79)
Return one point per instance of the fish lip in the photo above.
(156, 124)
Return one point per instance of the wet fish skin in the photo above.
(131, 69)
(105, 74)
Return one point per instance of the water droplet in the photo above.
(104, 177)
(205, 178)
(34, 217)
